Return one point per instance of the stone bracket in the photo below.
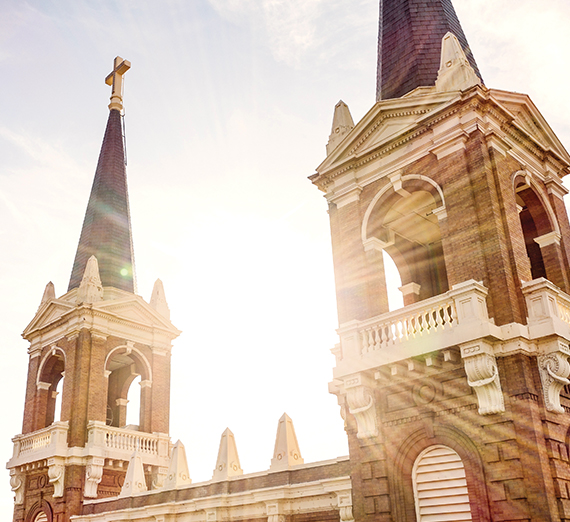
(483, 376)
(554, 371)
(17, 481)
(362, 406)
(93, 475)
(56, 474)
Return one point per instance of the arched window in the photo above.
(41, 517)
(440, 486)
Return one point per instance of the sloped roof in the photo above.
(409, 44)
(106, 231)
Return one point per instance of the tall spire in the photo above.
(106, 232)
(409, 44)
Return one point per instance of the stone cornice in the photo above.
(478, 100)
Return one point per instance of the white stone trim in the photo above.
(410, 288)
(386, 188)
(551, 238)
(129, 347)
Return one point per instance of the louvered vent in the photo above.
(440, 487)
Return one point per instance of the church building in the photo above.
(456, 406)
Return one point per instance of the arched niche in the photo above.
(122, 366)
(41, 511)
(403, 220)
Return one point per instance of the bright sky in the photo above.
(228, 109)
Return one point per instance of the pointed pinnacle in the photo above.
(286, 453)
(135, 481)
(158, 299)
(90, 290)
(49, 294)
(178, 470)
(227, 464)
(341, 126)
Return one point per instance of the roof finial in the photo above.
(115, 79)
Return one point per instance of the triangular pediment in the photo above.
(386, 120)
(47, 314)
(134, 309)
(528, 118)
(129, 308)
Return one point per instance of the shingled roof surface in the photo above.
(409, 44)
(106, 231)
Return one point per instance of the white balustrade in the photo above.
(131, 441)
(408, 323)
(40, 444)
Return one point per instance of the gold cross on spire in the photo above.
(115, 78)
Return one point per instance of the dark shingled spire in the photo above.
(409, 44)
(106, 232)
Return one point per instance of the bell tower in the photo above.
(456, 405)
(86, 349)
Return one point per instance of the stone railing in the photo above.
(548, 308)
(102, 442)
(40, 444)
(120, 443)
(443, 321)
(411, 322)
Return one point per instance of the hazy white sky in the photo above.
(228, 110)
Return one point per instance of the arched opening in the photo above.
(133, 402)
(403, 221)
(41, 517)
(393, 282)
(440, 486)
(49, 388)
(58, 399)
(535, 223)
(127, 372)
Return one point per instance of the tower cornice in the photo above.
(411, 123)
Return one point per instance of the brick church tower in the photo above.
(86, 349)
(457, 406)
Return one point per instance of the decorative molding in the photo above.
(56, 474)
(17, 481)
(483, 377)
(93, 475)
(410, 288)
(552, 238)
(362, 406)
(554, 370)
(555, 187)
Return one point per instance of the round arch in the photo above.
(433, 188)
(412, 447)
(41, 511)
(528, 180)
(403, 219)
(130, 350)
(54, 351)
